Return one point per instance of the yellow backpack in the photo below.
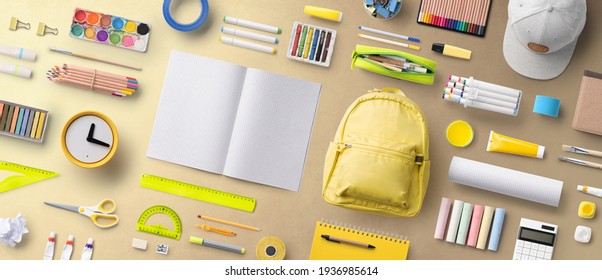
(379, 160)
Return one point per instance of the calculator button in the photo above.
(548, 256)
(549, 249)
(517, 256)
(540, 254)
(524, 257)
(533, 253)
(531, 258)
(527, 244)
(520, 243)
(542, 247)
(526, 251)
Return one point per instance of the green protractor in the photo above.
(160, 230)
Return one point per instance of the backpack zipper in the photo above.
(343, 146)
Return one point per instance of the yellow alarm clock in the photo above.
(89, 139)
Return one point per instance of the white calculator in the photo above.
(535, 240)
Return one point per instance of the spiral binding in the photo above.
(365, 231)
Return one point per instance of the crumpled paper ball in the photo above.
(12, 230)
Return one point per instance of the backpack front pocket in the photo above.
(374, 169)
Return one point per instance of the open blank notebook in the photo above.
(241, 122)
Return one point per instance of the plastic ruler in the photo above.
(197, 192)
(29, 175)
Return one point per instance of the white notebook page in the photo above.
(272, 129)
(196, 112)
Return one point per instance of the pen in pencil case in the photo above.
(91, 79)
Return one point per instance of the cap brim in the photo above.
(530, 64)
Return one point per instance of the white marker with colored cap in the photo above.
(250, 35)
(250, 24)
(19, 53)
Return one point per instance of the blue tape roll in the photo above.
(190, 26)
(546, 105)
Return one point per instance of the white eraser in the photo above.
(139, 243)
(583, 234)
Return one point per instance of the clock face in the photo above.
(89, 139)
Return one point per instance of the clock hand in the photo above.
(95, 141)
(91, 131)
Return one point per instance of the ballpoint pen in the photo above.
(347, 241)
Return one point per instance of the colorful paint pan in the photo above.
(110, 30)
(22, 122)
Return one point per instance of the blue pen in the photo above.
(314, 44)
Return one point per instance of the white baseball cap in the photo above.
(541, 35)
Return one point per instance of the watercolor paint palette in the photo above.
(110, 30)
(22, 121)
(311, 44)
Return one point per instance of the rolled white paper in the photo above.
(505, 181)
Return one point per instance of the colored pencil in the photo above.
(91, 79)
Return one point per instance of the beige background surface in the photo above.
(288, 215)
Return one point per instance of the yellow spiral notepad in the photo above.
(387, 247)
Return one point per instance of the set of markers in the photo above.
(470, 224)
(311, 44)
(249, 35)
(482, 95)
(19, 53)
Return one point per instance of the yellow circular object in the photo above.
(270, 248)
(89, 139)
(130, 26)
(587, 209)
(459, 133)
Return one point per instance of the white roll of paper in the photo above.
(505, 181)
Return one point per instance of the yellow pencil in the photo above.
(227, 222)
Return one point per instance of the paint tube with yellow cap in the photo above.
(504, 144)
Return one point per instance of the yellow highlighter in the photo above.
(452, 51)
(324, 13)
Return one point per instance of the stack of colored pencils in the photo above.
(91, 79)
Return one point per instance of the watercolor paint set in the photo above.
(311, 44)
(22, 121)
(110, 30)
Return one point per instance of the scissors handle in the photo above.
(104, 220)
(106, 206)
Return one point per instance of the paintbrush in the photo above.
(580, 162)
(68, 52)
(582, 151)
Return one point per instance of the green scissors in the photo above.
(99, 214)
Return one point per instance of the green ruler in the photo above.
(159, 229)
(197, 192)
(29, 175)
